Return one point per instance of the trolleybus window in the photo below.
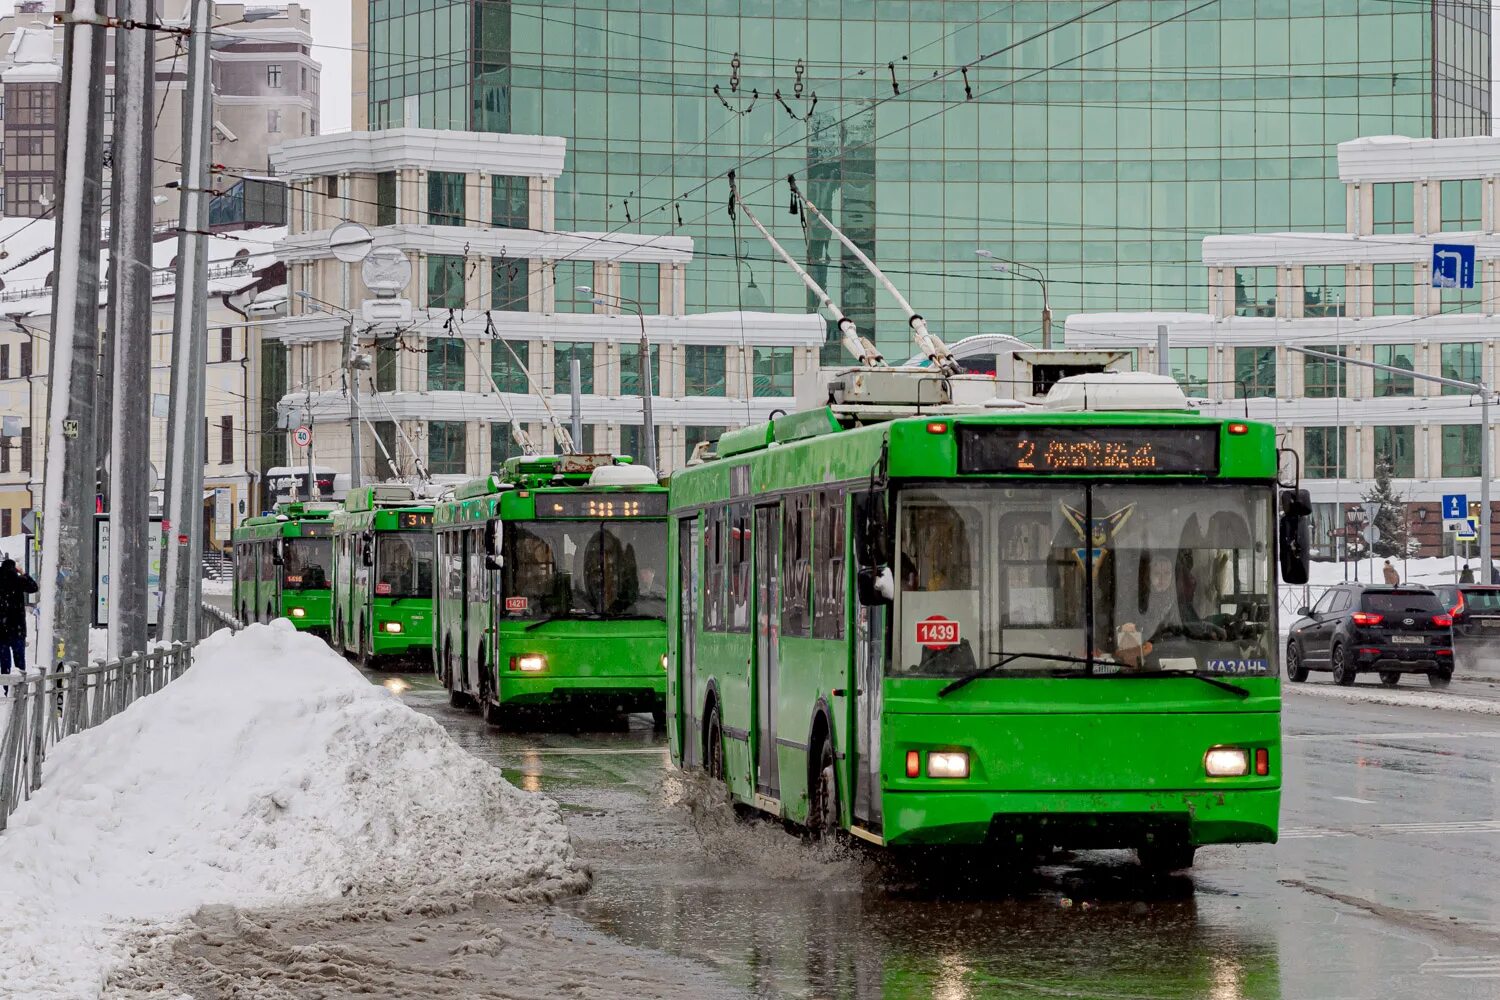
(306, 562)
(403, 564)
(615, 569)
(1069, 581)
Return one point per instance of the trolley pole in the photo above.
(130, 310)
(68, 490)
(182, 584)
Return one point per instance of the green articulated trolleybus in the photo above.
(382, 579)
(929, 616)
(552, 587)
(283, 566)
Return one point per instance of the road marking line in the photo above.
(1350, 798)
(1310, 833)
(1457, 826)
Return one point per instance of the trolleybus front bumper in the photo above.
(609, 664)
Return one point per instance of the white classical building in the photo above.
(497, 317)
(1366, 293)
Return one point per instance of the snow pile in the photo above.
(1397, 698)
(271, 772)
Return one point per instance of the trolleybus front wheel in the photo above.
(713, 746)
(823, 816)
(1164, 858)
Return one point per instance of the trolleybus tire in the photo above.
(659, 718)
(1439, 678)
(713, 745)
(458, 699)
(1296, 671)
(1164, 858)
(1343, 667)
(1390, 678)
(824, 814)
(495, 714)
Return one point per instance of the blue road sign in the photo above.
(1452, 265)
(1455, 505)
(1470, 531)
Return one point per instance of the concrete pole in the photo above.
(575, 372)
(356, 451)
(1485, 571)
(1163, 349)
(130, 311)
(68, 491)
(182, 576)
(648, 432)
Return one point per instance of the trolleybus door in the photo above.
(767, 622)
(687, 616)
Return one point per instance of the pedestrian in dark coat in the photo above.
(14, 586)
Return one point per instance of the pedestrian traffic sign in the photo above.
(1453, 265)
(1455, 505)
(1469, 531)
(302, 437)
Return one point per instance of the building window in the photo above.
(386, 449)
(385, 198)
(567, 277)
(226, 440)
(1323, 379)
(4, 361)
(633, 441)
(385, 365)
(445, 281)
(1460, 205)
(273, 75)
(25, 449)
(1397, 356)
(446, 440)
(1396, 447)
(1255, 372)
(5, 456)
(508, 202)
(502, 444)
(1461, 362)
(630, 370)
(773, 371)
(508, 362)
(509, 285)
(1255, 291)
(640, 284)
(1323, 452)
(703, 369)
(25, 356)
(445, 198)
(273, 385)
(1323, 290)
(1393, 207)
(445, 364)
(273, 120)
(1190, 369)
(563, 355)
(691, 436)
(226, 343)
(1460, 451)
(1394, 287)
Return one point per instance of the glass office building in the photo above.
(1099, 142)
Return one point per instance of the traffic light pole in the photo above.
(1479, 388)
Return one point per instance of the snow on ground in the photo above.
(1398, 698)
(1427, 571)
(271, 773)
(218, 588)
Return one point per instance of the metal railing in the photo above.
(38, 710)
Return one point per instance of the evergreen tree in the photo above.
(1390, 519)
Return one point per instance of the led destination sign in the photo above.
(413, 519)
(1089, 450)
(602, 505)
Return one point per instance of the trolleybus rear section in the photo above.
(1020, 629)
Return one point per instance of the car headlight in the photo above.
(530, 663)
(299, 612)
(393, 627)
(1226, 762)
(947, 764)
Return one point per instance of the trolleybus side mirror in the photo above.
(278, 552)
(873, 585)
(367, 549)
(870, 529)
(1295, 536)
(492, 539)
(494, 562)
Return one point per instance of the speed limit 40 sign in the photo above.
(302, 436)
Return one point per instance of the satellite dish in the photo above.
(350, 242)
(386, 271)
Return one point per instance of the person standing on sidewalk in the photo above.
(1391, 576)
(14, 586)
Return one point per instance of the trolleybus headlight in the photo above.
(664, 661)
(1226, 762)
(299, 612)
(530, 663)
(393, 627)
(947, 764)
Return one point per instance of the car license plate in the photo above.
(1490, 622)
(1407, 640)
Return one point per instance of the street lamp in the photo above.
(649, 430)
(1005, 266)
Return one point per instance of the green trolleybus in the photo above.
(283, 566)
(1022, 626)
(382, 580)
(552, 587)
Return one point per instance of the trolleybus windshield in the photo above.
(306, 562)
(403, 564)
(1084, 579)
(599, 569)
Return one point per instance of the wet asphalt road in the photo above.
(1384, 885)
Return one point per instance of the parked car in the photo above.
(1475, 608)
(1364, 628)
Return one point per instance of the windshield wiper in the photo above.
(1007, 659)
(1235, 689)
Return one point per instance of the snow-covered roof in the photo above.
(32, 56)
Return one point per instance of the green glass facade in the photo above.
(1099, 142)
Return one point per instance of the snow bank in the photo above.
(271, 772)
(1397, 698)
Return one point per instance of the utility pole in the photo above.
(182, 583)
(130, 311)
(356, 452)
(68, 491)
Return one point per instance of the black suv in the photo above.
(1475, 608)
(1381, 629)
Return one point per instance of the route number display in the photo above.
(937, 632)
(609, 506)
(1092, 449)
